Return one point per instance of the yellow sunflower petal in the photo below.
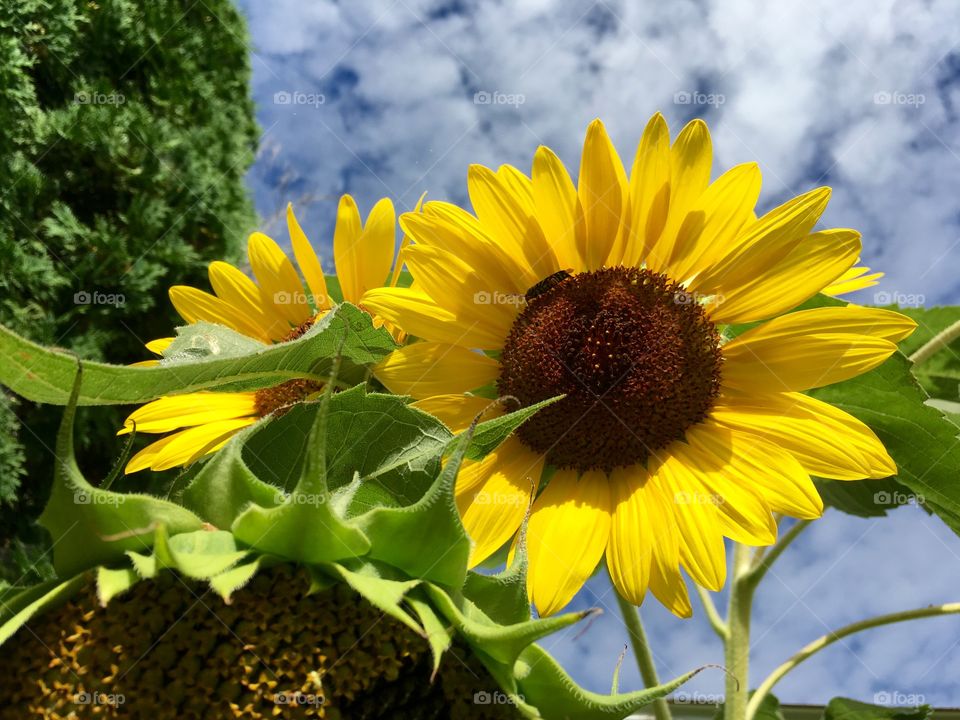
(375, 250)
(423, 369)
(419, 315)
(558, 208)
(177, 411)
(666, 582)
(827, 441)
(184, 447)
(701, 541)
(240, 292)
(812, 348)
(195, 305)
(751, 462)
(280, 285)
(458, 231)
(493, 495)
(741, 511)
(463, 292)
(649, 191)
(159, 346)
(601, 188)
(630, 548)
(503, 204)
(762, 243)
(691, 158)
(346, 238)
(566, 536)
(713, 222)
(458, 411)
(856, 278)
(798, 276)
(308, 261)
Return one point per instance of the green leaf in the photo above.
(502, 596)
(19, 610)
(864, 498)
(940, 374)
(438, 634)
(845, 709)
(203, 340)
(91, 526)
(376, 586)
(542, 683)
(920, 439)
(45, 375)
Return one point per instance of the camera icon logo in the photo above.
(282, 98)
(482, 98)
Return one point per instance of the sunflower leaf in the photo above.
(920, 439)
(45, 375)
(844, 709)
(940, 374)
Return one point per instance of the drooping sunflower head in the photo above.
(277, 305)
(628, 294)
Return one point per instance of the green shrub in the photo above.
(127, 129)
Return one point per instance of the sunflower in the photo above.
(620, 294)
(278, 307)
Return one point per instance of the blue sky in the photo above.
(397, 98)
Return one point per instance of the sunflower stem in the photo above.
(936, 343)
(759, 567)
(641, 648)
(713, 616)
(820, 643)
(737, 645)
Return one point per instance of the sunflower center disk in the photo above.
(280, 398)
(636, 357)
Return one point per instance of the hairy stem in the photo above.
(638, 638)
(737, 645)
(936, 343)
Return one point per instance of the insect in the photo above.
(548, 283)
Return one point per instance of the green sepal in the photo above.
(44, 375)
(229, 581)
(503, 643)
(491, 433)
(434, 542)
(503, 596)
(112, 582)
(374, 583)
(438, 634)
(91, 526)
(544, 685)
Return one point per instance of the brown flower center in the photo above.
(636, 357)
(280, 398)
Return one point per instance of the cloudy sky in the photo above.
(399, 98)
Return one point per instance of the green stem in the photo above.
(763, 562)
(638, 638)
(936, 343)
(820, 643)
(710, 608)
(737, 646)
